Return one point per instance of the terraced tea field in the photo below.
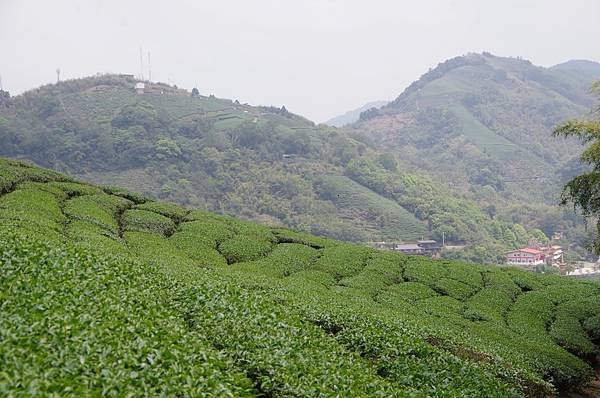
(105, 292)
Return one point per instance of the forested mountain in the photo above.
(353, 115)
(447, 174)
(483, 125)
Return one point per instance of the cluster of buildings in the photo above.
(532, 256)
(426, 247)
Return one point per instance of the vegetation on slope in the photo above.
(259, 163)
(483, 125)
(105, 291)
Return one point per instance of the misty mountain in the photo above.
(353, 115)
(481, 121)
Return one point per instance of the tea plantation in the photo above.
(105, 292)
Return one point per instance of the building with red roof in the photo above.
(527, 256)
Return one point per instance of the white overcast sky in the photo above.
(318, 58)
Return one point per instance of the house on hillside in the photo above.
(409, 248)
(430, 246)
(529, 257)
(422, 247)
(525, 257)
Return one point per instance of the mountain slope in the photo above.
(257, 162)
(260, 163)
(504, 108)
(118, 293)
(353, 115)
(482, 123)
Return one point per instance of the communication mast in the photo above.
(149, 68)
(141, 65)
(57, 75)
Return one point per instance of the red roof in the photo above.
(527, 250)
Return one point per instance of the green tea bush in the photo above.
(13, 172)
(210, 232)
(113, 204)
(453, 288)
(381, 270)
(84, 208)
(174, 212)
(199, 249)
(58, 193)
(407, 291)
(34, 207)
(132, 196)
(342, 261)
(592, 327)
(252, 229)
(241, 248)
(74, 324)
(72, 189)
(285, 260)
(295, 316)
(91, 235)
(147, 221)
(287, 236)
(418, 269)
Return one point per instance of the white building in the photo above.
(139, 87)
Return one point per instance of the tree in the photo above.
(583, 191)
(195, 92)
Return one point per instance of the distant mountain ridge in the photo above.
(353, 115)
(591, 68)
(483, 125)
(503, 109)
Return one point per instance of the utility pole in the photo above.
(443, 239)
(1, 88)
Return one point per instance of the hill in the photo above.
(107, 292)
(483, 125)
(259, 163)
(353, 115)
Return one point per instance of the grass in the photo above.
(106, 293)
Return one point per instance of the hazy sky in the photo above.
(318, 58)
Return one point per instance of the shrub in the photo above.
(147, 221)
(242, 248)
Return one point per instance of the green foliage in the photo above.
(85, 208)
(171, 210)
(75, 324)
(147, 221)
(259, 163)
(245, 309)
(243, 248)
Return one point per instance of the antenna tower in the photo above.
(141, 65)
(149, 68)
(57, 75)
